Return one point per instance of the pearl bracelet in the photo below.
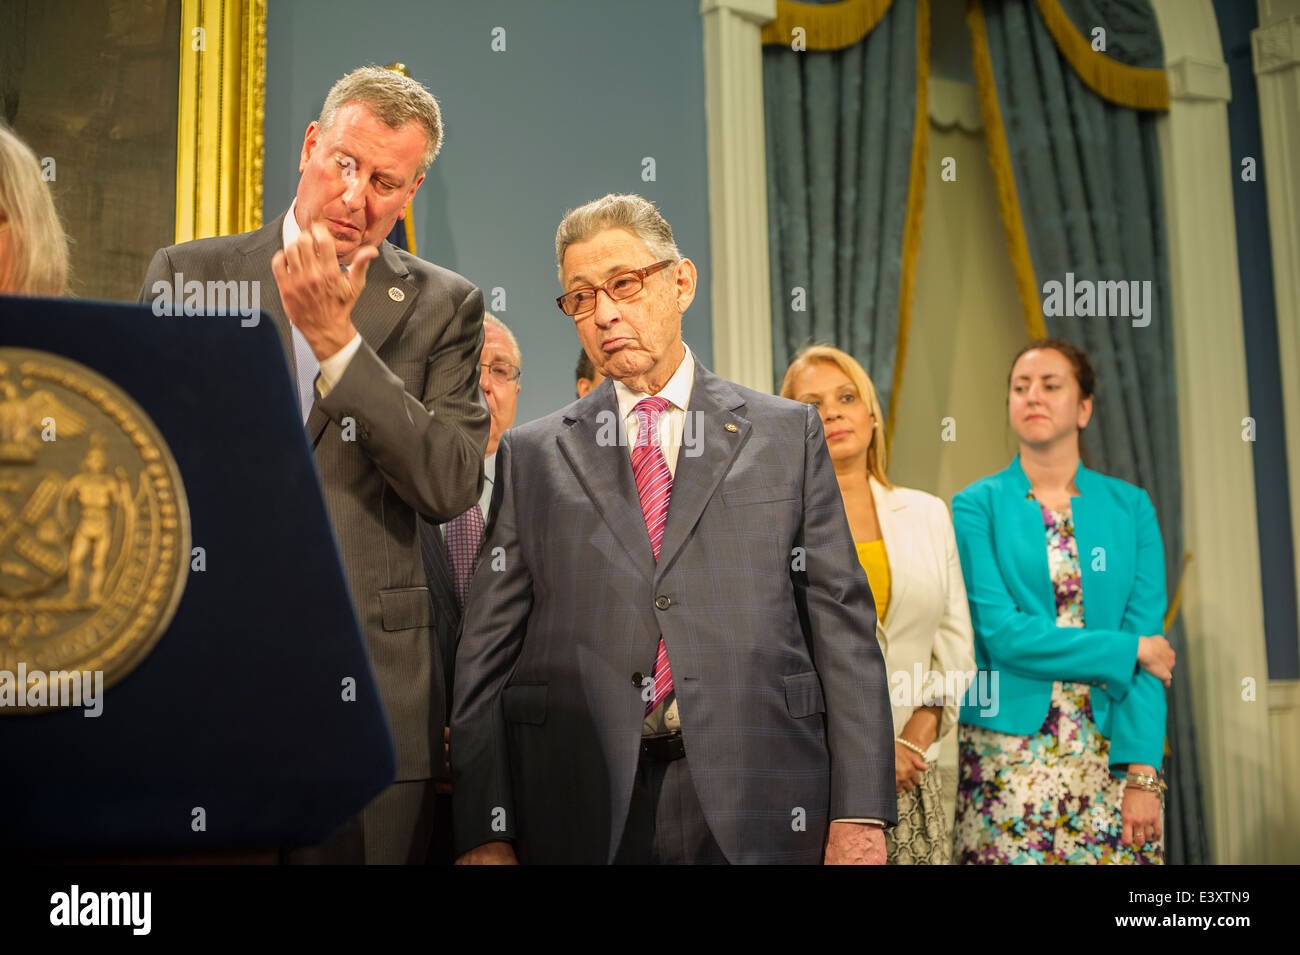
(912, 746)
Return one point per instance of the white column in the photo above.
(1276, 48)
(1222, 601)
(733, 72)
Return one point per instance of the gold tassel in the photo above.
(1174, 604)
(409, 222)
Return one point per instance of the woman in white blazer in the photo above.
(907, 547)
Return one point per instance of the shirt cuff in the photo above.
(333, 367)
(874, 822)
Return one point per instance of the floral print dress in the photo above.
(1049, 797)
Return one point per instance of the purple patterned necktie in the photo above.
(464, 535)
(654, 485)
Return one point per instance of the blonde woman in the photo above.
(33, 247)
(906, 545)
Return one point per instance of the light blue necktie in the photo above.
(304, 360)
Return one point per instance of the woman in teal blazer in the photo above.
(1062, 734)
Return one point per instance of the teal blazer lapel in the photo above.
(1025, 530)
(1093, 536)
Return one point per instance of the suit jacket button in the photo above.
(663, 603)
(637, 680)
(1103, 686)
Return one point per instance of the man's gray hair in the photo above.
(395, 99)
(617, 211)
(492, 320)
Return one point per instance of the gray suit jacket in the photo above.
(759, 596)
(420, 432)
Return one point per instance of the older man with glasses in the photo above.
(667, 655)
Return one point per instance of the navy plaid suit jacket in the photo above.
(761, 601)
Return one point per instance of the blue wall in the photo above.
(583, 92)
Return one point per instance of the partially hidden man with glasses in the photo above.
(668, 652)
(450, 550)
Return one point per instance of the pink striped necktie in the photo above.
(654, 485)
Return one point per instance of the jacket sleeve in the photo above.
(840, 617)
(1137, 725)
(953, 652)
(1027, 644)
(160, 269)
(492, 635)
(429, 450)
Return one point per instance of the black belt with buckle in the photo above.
(664, 749)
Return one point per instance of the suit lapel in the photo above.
(596, 450)
(388, 296)
(254, 264)
(712, 408)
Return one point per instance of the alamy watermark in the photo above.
(918, 687)
(179, 297)
(610, 432)
(1084, 298)
(53, 688)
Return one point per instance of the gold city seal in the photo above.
(94, 529)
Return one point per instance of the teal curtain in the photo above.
(839, 149)
(1088, 178)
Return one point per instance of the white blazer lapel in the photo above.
(891, 513)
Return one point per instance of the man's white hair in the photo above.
(628, 211)
(493, 321)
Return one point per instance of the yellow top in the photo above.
(876, 563)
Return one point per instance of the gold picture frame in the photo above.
(220, 110)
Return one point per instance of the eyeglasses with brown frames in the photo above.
(582, 300)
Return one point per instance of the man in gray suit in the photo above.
(384, 347)
(669, 652)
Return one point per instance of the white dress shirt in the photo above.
(672, 421)
(664, 719)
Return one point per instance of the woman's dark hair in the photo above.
(1076, 356)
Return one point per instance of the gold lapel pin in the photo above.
(731, 427)
(396, 294)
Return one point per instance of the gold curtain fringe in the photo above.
(915, 202)
(1130, 86)
(832, 26)
(1003, 174)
